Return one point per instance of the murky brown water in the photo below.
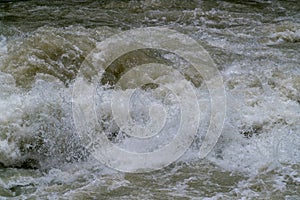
(256, 47)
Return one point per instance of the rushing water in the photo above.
(256, 47)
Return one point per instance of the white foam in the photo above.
(3, 47)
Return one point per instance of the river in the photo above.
(255, 46)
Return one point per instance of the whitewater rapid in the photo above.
(258, 153)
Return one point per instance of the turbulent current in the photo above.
(255, 46)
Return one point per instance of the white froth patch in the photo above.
(262, 126)
(3, 47)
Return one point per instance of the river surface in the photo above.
(256, 47)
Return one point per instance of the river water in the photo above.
(255, 45)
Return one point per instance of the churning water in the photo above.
(255, 45)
